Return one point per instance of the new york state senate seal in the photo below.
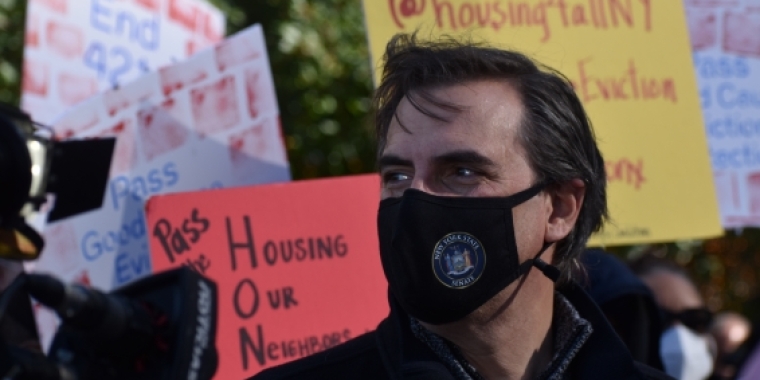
(458, 260)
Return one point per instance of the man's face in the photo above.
(472, 153)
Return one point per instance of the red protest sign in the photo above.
(297, 264)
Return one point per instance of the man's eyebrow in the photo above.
(468, 157)
(392, 160)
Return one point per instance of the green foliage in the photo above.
(725, 269)
(320, 60)
(12, 16)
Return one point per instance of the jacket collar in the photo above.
(603, 355)
(403, 355)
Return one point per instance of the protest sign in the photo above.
(297, 264)
(631, 66)
(725, 39)
(209, 122)
(77, 48)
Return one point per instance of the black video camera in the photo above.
(33, 164)
(160, 327)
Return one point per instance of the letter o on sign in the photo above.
(246, 283)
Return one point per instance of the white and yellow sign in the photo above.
(630, 62)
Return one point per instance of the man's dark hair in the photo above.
(555, 131)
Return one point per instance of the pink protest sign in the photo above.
(297, 264)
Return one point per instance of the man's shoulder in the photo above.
(651, 373)
(356, 358)
(604, 355)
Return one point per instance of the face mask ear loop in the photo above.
(549, 271)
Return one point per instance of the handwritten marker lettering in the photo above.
(630, 84)
(283, 251)
(176, 240)
(264, 351)
(626, 170)
(598, 14)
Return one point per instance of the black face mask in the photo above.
(446, 256)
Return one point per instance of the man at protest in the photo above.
(489, 169)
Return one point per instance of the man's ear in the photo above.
(567, 199)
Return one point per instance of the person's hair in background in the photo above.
(686, 347)
(555, 131)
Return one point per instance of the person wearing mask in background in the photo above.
(489, 170)
(686, 347)
(730, 330)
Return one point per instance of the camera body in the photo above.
(159, 327)
(181, 307)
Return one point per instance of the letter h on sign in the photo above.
(247, 244)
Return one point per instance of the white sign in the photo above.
(725, 38)
(77, 48)
(209, 122)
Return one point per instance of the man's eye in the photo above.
(395, 177)
(462, 176)
(465, 172)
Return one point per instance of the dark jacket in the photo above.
(627, 303)
(393, 352)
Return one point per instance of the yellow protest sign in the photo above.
(630, 62)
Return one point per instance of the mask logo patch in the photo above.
(458, 260)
